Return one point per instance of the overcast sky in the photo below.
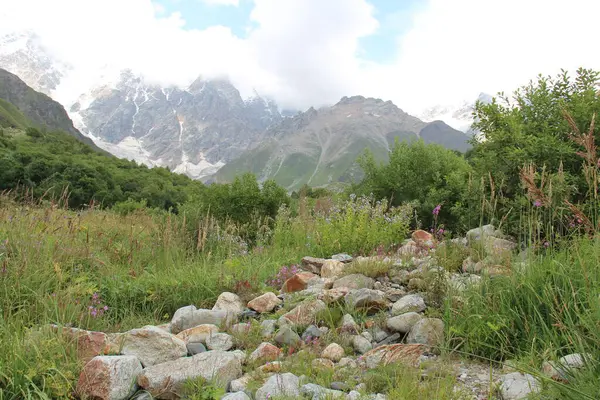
(313, 52)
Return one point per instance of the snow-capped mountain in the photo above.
(459, 116)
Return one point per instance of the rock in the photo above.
(333, 352)
(236, 396)
(348, 324)
(516, 386)
(354, 281)
(322, 363)
(270, 367)
(313, 264)
(297, 282)
(366, 299)
(367, 335)
(333, 295)
(286, 335)
(265, 352)
(198, 334)
(409, 249)
(347, 362)
(379, 334)
(361, 345)
(428, 331)
(88, 343)
(189, 317)
(241, 329)
(248, 314)
(109, 378)
(195, 348)
(390, 339)
(407, 354)
(239, 354)
(400, 277)
(474, 235)
(229, 302)
(268, 327)
(560, 370)
(343, 257)
(264, 303)
(241, 384)
(460, 283)
(411, 302)
(166, 381)
(417, 284)
(219, 341)
(152, 345)
(403, 323)
(316, 392)
(423, 238)
(142, 395)
(311, 333)
(394, 294)
(332, 269)
(279, 385)
(304, 313)
(341, 386)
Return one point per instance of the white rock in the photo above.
(411, 302)
(236, 396)
(219, 341)
(229, 302)
(279, 385)
(152, 345)
(109, 377)
(516, 386)
(403, 323)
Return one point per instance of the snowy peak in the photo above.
(459, 116)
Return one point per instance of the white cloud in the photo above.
(306, 52)
(222, 2)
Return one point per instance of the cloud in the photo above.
(221, 2)
(307, 52)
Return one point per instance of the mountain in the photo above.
(459, 116)
(23, 107)
(319, 147)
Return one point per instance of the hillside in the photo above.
(319, 147)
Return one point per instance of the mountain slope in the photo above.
(34, 108)
(318, 147)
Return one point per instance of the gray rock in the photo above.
(400, 277)
(279, 385)
(343, 257)
(313, 264)
(195, 348)
(477, 234)
(403, 323)
(229, 302)
(354, 281)
(379, 334)
(316, 392)
(268, 327)
(219, 341)
(241, 328)
(152, 345)
(109, 377)
(240, 384)
(311, 332)
(348, 324)
(239, 354)
(341, 386)
(428, 331)
(367, 335)
(516, 386)
(188, 317)
(142, 395)
(286, 335)
(236, 396)
(166, 380)
(395, 338)
(366, 299)
(411, 302)
(360, 344)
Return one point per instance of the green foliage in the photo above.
(11, 117)
(201, 389)
(425, 175)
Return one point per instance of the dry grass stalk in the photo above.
(585, 221)
(527, 175)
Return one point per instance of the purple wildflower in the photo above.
(537, 203)
(437, 209)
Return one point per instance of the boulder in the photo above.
(354, 281)
(407, 354)
(229, 302)
(313, 264)
(517, 386)
(189, 317)
(333, 295)
(297, 282)
(311, 333)
(265, 352)
(411, 302)
(236, 396)
(279, 385)
(423, 238)
(366, 299)
(332, 269)
(166, 380)
(333, 352)
(361, 344)
(304, 313)
(287, 336)
(265, 303)
(427, 331)
(195, 348)
(322, 363)
(242, 328)
(475, 235)
(316, 392)
(88, 343)
(343, 257)
(403, 323)
(198, 334)
(219, 341)
(348, 324)
(268, 327)
(152, 345)
(109, 378)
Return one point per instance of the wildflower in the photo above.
(546, 244)
(537, 203)
(437, 209)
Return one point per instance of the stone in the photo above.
(390, 339)
(239, 354)
(229, 302)
(333, 352)
(279, 385)
(248, 314)
(347, 362)
(332, 269)
(333, 295)
(428, 331)
(240, 384)
(219, 341)
(403, 323)
(417, 284)
(316, 392)
(313, 264)
(109, 378)
(287, 336)
(189, 317)
(166, 380)
(265, 352)
(322, 363)
(423, 238)
(270, 367)
(297, 282)
(348, 324)
(400, 277)
(241, 328)
(88, 343)
(411, 302)
(354, 281)
(367, 335)
(475, 235)
(152, 345)
(379, 334)
(366, 299)
(343, 257)
(195, 348)
(409, 249)
(407, 354)
(268, 327)
(236, 396)
(198, 334)
(142, 395)
(311, 333)
(304, 313)
(394, 294)
(516, 386)
(360, 344)
(264, 303)
(341, 386)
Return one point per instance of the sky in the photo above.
(302, 53)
